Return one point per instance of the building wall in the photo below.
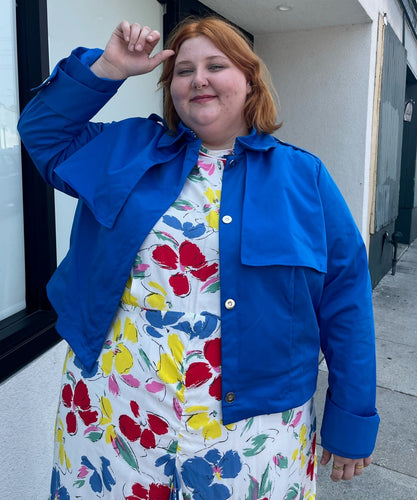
(28, 400)
(322, 78)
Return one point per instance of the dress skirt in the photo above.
(146, 421)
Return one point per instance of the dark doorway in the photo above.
(406, 223)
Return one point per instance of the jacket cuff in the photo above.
(346, 434)
(73, 90)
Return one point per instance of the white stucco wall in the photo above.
(29, 399)
(322, 78)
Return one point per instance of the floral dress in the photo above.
(146, 421)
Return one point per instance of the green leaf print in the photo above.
(258, 445)
(139, 268)
(95, 436)
(266, 484)
(292, 492)
(145, 358)
(126, 452)
(182, 205)
(213, 288)
(79, 483)
(281, 461)
(287, 416)
(197, 178)
(253, 489)
(248, 425)
(173, 447)
(161, 235)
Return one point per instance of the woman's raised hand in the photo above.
(128, 52)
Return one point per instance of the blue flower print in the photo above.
(58, 492)
(200, 329)
(190, 230)
(96, 480)
(203, 475)
(158, 321)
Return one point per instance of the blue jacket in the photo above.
(292, 259)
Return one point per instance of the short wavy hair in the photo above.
(260, 110)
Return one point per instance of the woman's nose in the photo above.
(200, 80)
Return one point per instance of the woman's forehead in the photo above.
(199, 46)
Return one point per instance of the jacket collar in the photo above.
(252, 141)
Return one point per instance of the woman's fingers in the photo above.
(124, 27)
(129, 52)
(346, 469)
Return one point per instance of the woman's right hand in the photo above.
(128, 52)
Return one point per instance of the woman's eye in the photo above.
(183, 72)
(216, 67)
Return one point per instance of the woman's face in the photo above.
(209, 93)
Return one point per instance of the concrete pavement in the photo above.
(393, 474)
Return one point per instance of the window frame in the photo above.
(26, 335)
(29, 333)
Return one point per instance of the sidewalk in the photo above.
(393, 474)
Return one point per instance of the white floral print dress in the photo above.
(146, 422)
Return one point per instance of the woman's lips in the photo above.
(203, 98)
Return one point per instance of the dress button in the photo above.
(230, 397)
(230, 304)
(227, 219)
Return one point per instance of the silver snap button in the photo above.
(227, 219)
(230, 304)
(230, 397)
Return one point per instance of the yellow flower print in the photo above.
(303, 436)
(157, 299)
(127, 297)
(63, 457)
(130, 332)
(214, 200)
(117, 352)
(70, 354)
(201, 419)
(170, 368)
(309, 496)
(299, 452)
(106, 419)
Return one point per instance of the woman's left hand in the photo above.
(344, 468)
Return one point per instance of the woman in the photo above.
(195, 326)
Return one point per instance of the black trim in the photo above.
(29, 333)
(410, 10)
(176, 10)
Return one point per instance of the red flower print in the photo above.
(212, 352)
(200, 372)
(79, 403)
(189, 260)
(156, 426)
(311, 462)
(156, 492)
(197, 374)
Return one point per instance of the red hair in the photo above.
(260, 110)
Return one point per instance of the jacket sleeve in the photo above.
(350, 421)
(55, 123)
